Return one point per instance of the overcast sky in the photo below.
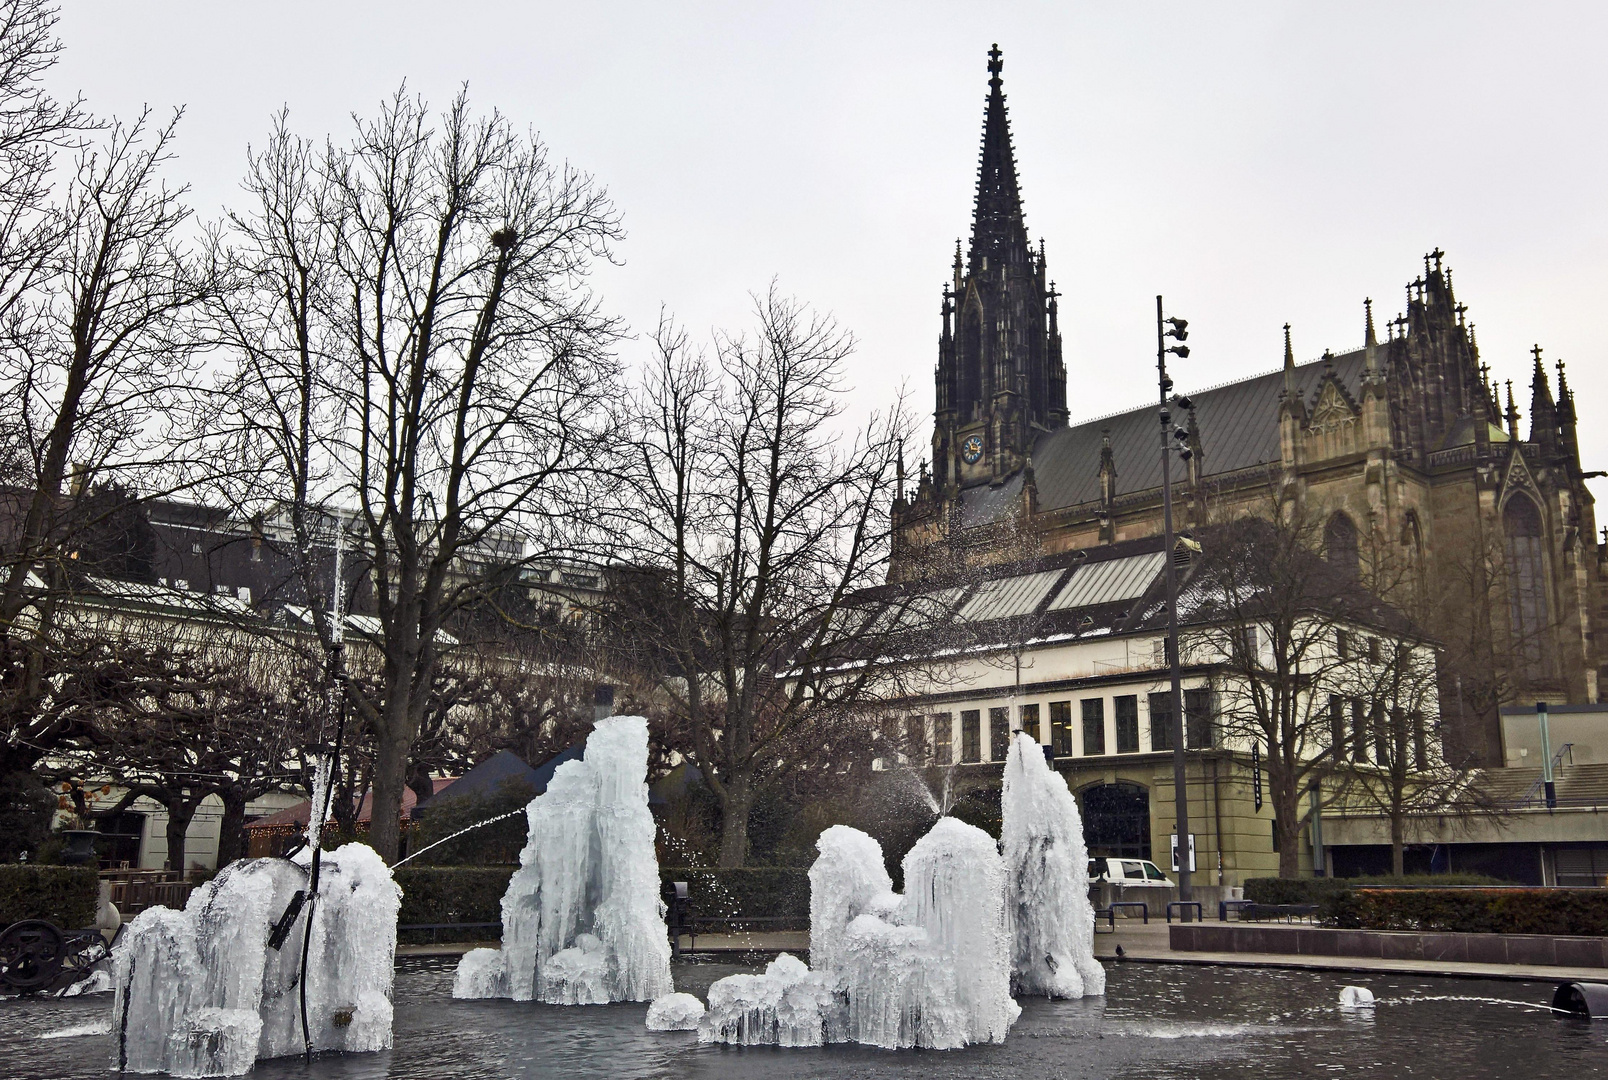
(1257, 163)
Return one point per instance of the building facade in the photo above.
(1401, 450)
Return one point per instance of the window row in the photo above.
(1087, 735)
(1369, 733)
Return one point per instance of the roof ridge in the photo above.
(1215, 386)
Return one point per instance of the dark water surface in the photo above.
(1155, 1021)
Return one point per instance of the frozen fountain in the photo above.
(1047, 863)
(934, 967)
(209, 990)
(581, 917)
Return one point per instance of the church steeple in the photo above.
(1000, 376)
(999, 233)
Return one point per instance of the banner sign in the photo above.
(1256, 774)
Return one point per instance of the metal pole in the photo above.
(1180, 791)
(1546, 757)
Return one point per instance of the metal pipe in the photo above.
(1546, 756)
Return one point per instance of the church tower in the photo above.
(1000, 378)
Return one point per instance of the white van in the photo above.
(1127, 872)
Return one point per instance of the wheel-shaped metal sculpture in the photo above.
(31, 955)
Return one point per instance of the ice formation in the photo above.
(1047, 865)
(675, 1012)
(782, 1007)
(201, 992)
(930, 968)
(1356, 997)
(582, 921)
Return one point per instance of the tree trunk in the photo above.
(181, 810)
(391, 752)
(232, 829)
(1397, 846)
(735, 807)
(1288, 808)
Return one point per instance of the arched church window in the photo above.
(971, 361)
(1340, 546)
(1412, 547)
(1527, 583)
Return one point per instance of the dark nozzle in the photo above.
(1180, 351)
(1183, 403)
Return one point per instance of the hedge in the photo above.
(452, 894)
(753, 891)
(1474, 911)
(473, 894)
(65, 895)
(1316, 890)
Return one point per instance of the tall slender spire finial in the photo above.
(1289, 364)
(1512, 414)
(999, 233)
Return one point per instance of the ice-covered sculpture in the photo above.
(675, 1012)
(582, 922)
(782, 1007)
(930, 968)
(1047, 867)
(201, 992)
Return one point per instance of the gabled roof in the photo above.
(1239, 429)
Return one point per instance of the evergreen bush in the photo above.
(64, 895)
(1567, 912)
(1273, 890)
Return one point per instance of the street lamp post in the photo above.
(1177, 330)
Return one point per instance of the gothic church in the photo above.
(1401, 446)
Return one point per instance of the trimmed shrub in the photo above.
(473, 894)
(1474, 911)
(26, 808)
(64, 895)
(453, 894)
(1317, 890)
(752, 891)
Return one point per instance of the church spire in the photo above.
(998, 232)
(1289, 364)
(1543, 412)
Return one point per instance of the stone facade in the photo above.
(1400, 450)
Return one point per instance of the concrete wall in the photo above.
(1586, 726)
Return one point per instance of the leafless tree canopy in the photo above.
(99, 302)
(757, 523)
(418, 350)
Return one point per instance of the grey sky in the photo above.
(1258, 163)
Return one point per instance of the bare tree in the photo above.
(34, 128)
(760, 526)
(418, 354)
(176, 724)
(100, 345)
(1264, 606)
(1383, 717)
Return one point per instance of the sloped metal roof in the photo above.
(1009, 597)
(928, 609)
(1109, 582)
(1239, 428)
